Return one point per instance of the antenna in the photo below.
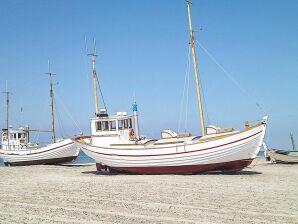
(86, 45)
(94, 45)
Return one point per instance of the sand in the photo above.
(264, 193)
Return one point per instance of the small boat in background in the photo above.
(282, 156)
(17, 150)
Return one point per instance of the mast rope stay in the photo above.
(62, 130)
(100, 92)
(185, 93)
(60, 101)
(204, 100)
(37, 134)
(228, 75)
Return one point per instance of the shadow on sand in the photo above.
(236, 173)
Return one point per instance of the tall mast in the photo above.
(192, 45)
(293, 142)
(7, 110)
(94, 76)
(52, 103)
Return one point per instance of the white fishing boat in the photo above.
(116, 146)
(17, 150)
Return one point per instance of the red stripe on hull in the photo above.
(42, 162)
(187, 169)
(177, 153)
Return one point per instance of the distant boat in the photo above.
(17, 150)
(282, 156)
(118, 147)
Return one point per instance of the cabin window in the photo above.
(129, 123)
(120, 124)
(13, 136)
(21, 135)
(125, 123)
(98, 126)
(113, 125)
(105, 125)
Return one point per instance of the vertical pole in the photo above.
(95, 84)
(192, 44)
(293, 142)
(7, 112)
(136, 121)
(52, 103)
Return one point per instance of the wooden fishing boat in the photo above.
(17, 150)
(282, 156)
(116, 146)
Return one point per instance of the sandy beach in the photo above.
(263, 193)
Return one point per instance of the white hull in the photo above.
(60, 152)
(231, 152)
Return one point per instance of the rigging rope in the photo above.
(62, 130)
(204, 100)
(228, 74)
(36, 137)
(186, 81)
(187, 93)
(86, 72)
(104, 104)
(68, 113)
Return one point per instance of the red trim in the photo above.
(42, 162)
(187, 169)
(172, 153)
(13, 154)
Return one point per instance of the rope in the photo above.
(36, 137)
(68, 113)
(62, 130)
(104, 104)
(204, 100)
(228, 74)
(187, 96)
(87, 76)
(186, 80)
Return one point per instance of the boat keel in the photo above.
(187, 169)
(42, 162)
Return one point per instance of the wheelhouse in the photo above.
(111, 124)
(15, 138)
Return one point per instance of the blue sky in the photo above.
(142, 51)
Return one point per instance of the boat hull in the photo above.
(42, 162)
(187, 169)
(57, 153)
(281, 158)
(233, 152)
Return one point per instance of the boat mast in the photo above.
(94, 76)
(293, 142)
(7, 111)
(192, 45)
(52, 103)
